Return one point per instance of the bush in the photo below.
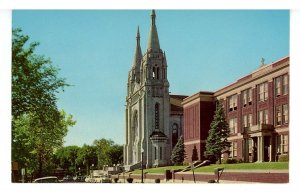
(240, 161)
(283, 158)
(211, 181)
(129, 180)
(157, 180)
(231, 161)
(116, 180)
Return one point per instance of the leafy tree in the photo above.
(116, 154)
(87, 156)
(38, 127)
(103, 147)
(195, 154)
(178, 153)
(66, 157)
(218, 134)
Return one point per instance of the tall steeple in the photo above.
(153, 42)
(137, 57)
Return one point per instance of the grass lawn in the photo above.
(210, 168)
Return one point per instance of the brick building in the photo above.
(257, 111)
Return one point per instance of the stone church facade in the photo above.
(154, 118)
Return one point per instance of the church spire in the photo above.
(153, 42)
(137, 58)
(138, 51)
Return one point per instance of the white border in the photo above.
(5, 85)
(147, 4)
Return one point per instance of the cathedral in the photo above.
(154, 118)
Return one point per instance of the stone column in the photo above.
(271, 158)
(260, 149)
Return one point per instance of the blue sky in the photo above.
(205, 49)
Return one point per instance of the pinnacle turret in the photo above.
(137, 57)
(153, 42)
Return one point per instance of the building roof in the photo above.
(175, 103)
(260, 72)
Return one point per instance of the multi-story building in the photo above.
(257, 111)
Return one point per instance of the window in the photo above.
(285, 114)
(285, 143)
(233, 150)
(250, 96)
(285, 85)
(233, 125)
(278, 86)
(263, 92)
(281, 115)
(281, 85)
(232, 103)
(278, 115)
(164, 73)
(155, 73)
(156, 116)
(250, 120)
(263, 117)
(247, 97)
(155, 153)
(247, 120)
(174, 134)
(160, 153)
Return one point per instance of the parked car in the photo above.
(47, 179)
(79, 178)
(67, 178)
(106, 179)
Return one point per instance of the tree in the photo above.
(103, 147)
(38, 126)
(195, 154)
(116, 154)
(178, 153)
(66, 157)
(218, 134)
(87, 156)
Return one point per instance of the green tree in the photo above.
(66, 157)
(103, 147)
(87, 156)
(218, 134)
(116, 154)
(178, 153)
(38, 126)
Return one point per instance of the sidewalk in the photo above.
(228, 177)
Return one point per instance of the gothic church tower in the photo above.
(148, 133)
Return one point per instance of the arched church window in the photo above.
(156, 115)
(153, 73)
(174, 134)
(135, 124)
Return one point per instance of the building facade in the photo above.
(154, 118)
(257, 111)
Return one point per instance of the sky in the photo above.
(205, 49)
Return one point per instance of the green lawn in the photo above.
(210, 168)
